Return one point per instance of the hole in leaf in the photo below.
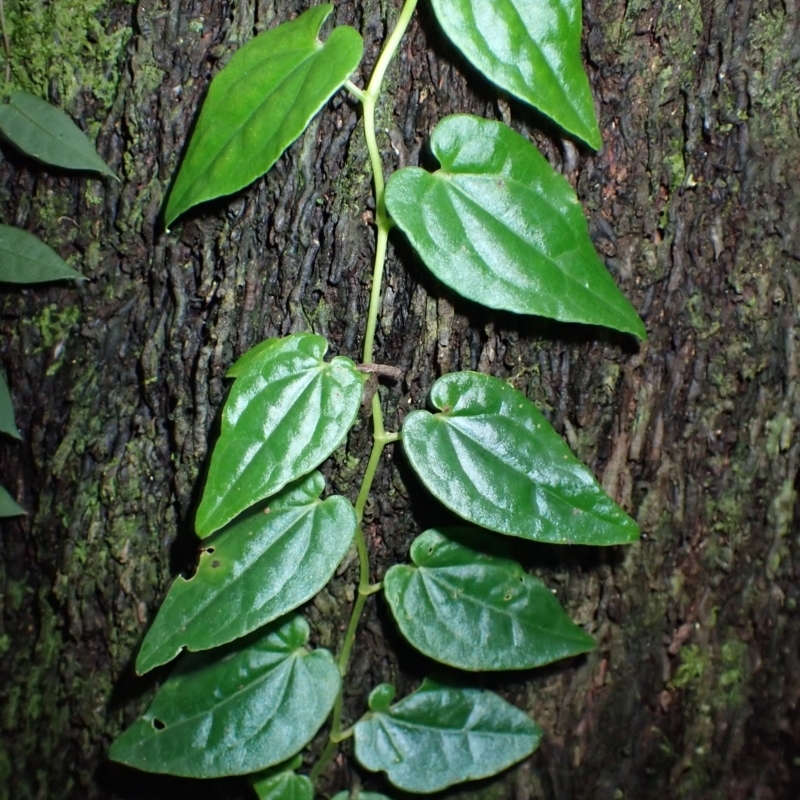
(215, 563)
(158, 725)
(209, 550)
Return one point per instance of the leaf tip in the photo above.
(592, 137)
(170, 215)
(639, 330)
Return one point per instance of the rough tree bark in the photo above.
(694, 201)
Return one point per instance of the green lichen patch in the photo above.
(694, 662)
(65, 46)
(772, 85)
(712, 680)
(55, 323)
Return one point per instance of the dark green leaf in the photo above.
(47, 134)
(382, 697)
(284, 786)
(278, 782)
(476, 611)
(439, 736)
(288, 410)
(9, 506)
(492, 457)
(26, 259)
(530, 49)
(260, 103)
(234, 711)
(360, 796)
(497, 225)
(264, 564)
(251, 359)
(8, 424)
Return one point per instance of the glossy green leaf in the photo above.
(9, 506)
(439, 736)
(251, 359)
(494, 459)
(47, 134)
(8, 424)
(264, 564)
(26, 259)
(284, 786)
(477, 611)
(382, 697)
(234, 711)
(286, 413)
(497, 225)
(260, 103)
(530, 49)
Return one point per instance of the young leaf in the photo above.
(9, 506)
(263, 565)
(235, 711)
(26, 259)
(284, 786)
(532, 50)
(260, 103)
(439, 736)
(476, 611)
(47, 134)
(492, 457)
(280, 782)
(286, 413)
(7, 423)
(497, 225)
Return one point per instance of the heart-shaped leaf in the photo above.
(477, 611)
(8, 424)
(530, 49)
(26, 259)
(439, 736)
(47, 134)
(495, 460)
(9, 506)
(284, 786)
(286, 413)
(497, 225)
(235, 710)
(264, 564)
(260, 103)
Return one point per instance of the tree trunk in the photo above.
(694, 201)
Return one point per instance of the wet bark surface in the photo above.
(694, 202)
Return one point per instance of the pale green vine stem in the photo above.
(382, 220)
(359, 94)
(377, 280)
(380, 437)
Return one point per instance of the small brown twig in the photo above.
(382, 370)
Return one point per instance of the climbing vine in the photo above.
(495, 224)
